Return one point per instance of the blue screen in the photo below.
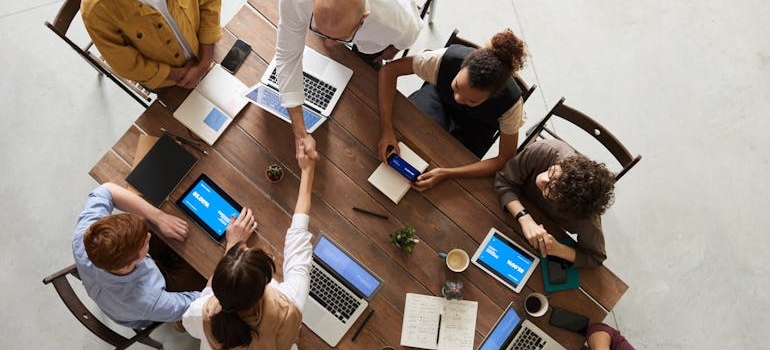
(497, 337)
(346, 267)
(505, 260)
(403, 167)
(210, 207)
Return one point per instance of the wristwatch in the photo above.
(520, 214)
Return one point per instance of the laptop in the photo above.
(505, 260)
(340, 290)
(324, 81)
(513, 332)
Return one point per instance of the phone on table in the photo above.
(568, 320)
(557, 270)
(404, 168)
(236, 56)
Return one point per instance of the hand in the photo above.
(387, 139)
(429, 179)
(387, 54)
(239, 229)
(305, 162)
(171, 226)
(538, 237)
(194, 75)
(306, 147)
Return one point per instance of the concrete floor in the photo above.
(683, 83)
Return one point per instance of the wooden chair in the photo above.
(81, 312)
(587, 124)
(61, 25)
(526, 90)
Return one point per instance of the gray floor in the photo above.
(683, 83)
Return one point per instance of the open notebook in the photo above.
(390, 182)
(211, 107)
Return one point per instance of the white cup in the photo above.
(536, 304)
(457, 260)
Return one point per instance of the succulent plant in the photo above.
(274, 172)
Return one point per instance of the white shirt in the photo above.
(391, 22)
(297, 256)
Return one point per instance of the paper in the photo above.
(421, 328)
(389, 181)
(210, 108)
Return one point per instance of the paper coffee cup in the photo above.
(457, 260)
(536, 304)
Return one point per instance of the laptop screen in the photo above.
(347, 268)
(505, 259)
(502, 332)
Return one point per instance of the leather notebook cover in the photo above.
(158, 173)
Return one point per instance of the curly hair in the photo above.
(113, 242)
(490, 67)
(584, 188)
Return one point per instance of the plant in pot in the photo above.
(274, 173)
(452, 290)
(404, 238)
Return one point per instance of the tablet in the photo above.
(209, 206)
(505, 260)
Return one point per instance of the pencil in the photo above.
(361, 326)
(381, 216)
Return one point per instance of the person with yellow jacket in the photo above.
(156, 43)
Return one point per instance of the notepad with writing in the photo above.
(389, 181)
(422, 329)
(212, 105)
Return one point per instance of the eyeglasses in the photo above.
(347, 40)
(552, 178)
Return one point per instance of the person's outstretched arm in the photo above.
(389, 74)
(169, 225)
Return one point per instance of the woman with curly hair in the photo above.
(571, 189)
(469, 92)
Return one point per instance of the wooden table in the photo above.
(456, 214)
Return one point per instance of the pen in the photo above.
(188, 141)
(438, 332)
(381, 216)
(361, 326)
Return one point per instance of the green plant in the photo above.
(274, 172)
(404, 238)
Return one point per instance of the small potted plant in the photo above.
(404, 238)
(274, 173)
(452, 290)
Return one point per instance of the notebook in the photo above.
(505, 260)
(438, 323)
(340, 290)
(209, 206)
(161, 169)
(390, 182)
(513, 332)
(210, 108)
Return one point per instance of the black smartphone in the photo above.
(404, 168)
(568, 320)
(557, 272)
(236, 56)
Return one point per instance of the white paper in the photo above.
(224, 90)
(389, 181)
(420, 328)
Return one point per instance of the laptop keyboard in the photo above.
(331, 296)
(317, 92)
(528, 340)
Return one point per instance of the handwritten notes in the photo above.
(422, 329)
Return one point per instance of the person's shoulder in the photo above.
(88, 6)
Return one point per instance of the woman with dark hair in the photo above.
(244, 307)
(469, 92)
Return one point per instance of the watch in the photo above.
(520, 214)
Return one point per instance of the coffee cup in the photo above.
(536, 304)
(457, 260)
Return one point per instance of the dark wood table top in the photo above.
(455, 214)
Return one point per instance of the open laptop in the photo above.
(324, 81)
(340, 290)
(513, 332)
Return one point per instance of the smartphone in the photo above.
(404, 168)
(236, 56)
(557, 273)
(568, 320)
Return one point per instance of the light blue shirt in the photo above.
(134, 300)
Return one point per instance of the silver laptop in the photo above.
(340, 290)
(513, 332)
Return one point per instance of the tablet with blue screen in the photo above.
(209, 206)
(505, 260)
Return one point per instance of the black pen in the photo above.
(361, 326)
(438, 332)
(381, 216)
(192, 143)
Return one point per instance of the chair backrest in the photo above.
(87, 319)
(590, 126)
(526, 90)
(61, 25)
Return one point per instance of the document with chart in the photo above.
(438, 323)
